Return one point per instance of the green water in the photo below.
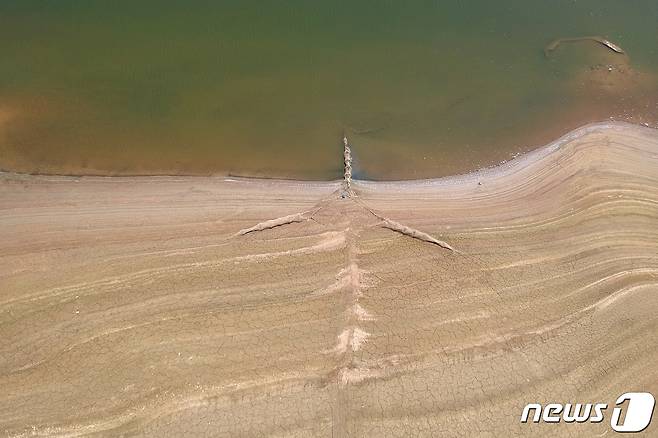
(422, 88)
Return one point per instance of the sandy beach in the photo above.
(182, 306)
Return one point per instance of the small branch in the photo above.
(550, 47)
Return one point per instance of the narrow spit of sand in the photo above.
(134, 306)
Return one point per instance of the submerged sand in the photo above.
(134, 306)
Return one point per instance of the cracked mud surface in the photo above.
(136, 307)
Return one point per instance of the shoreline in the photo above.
(259, 307)
(535, 153)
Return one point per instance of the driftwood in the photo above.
(550, 47)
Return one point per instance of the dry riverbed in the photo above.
(136, 306)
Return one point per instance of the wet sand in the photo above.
(134, 306)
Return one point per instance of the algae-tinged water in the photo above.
(422, 88)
